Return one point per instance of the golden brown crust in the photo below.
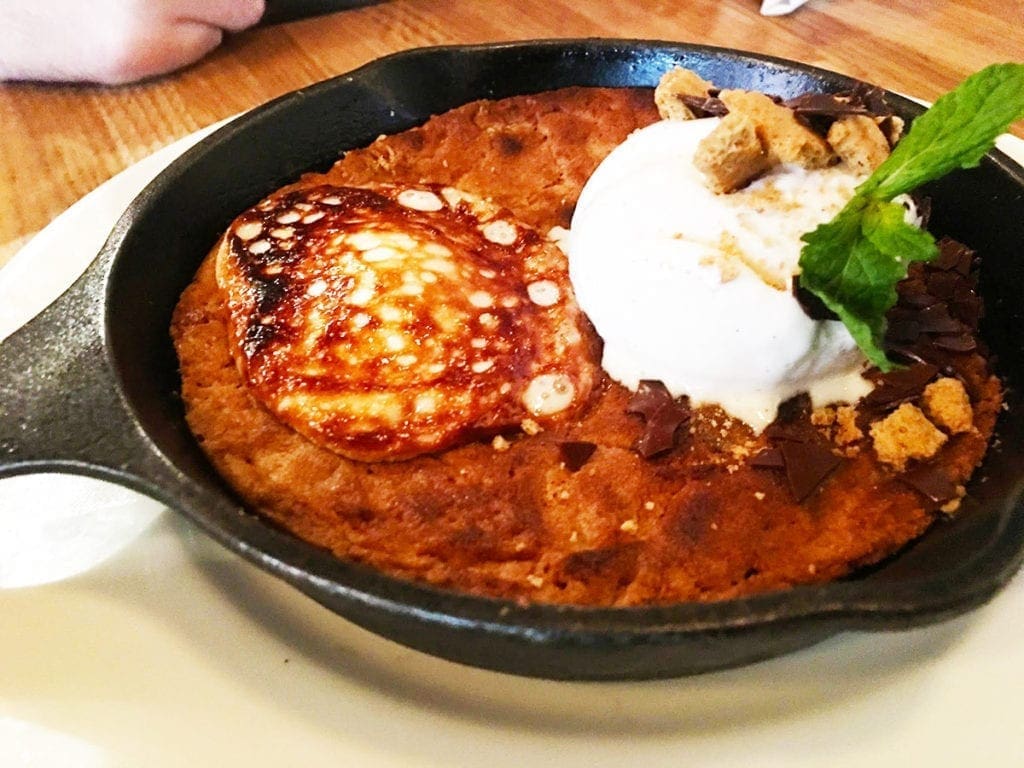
(698, 523)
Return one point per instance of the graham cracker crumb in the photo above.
(859, 142)
(824, 417)
(846, 429)
(906, 434)
(946, 402)
(530, 427)
(732, 155)
(782, 135)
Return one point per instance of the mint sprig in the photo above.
(854, 262)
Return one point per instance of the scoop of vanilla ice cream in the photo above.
(695, 289)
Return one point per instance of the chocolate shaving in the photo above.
(701, 106)
(807, 465)
(939, 309)
(576, 454)
(899, 386)
(769, 458)
(797, 448)
(662, 415)
(961, 342)
(930, 481)
(832, 105)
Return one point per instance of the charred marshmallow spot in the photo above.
(404, 321)
(248, 230)
(501, 232)
(544, 293)
(548, 394)
(420, 200)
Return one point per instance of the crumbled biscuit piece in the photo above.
(846, 429)
(946, 402)
(530, 427)
(731, 155)
(906, 434)
(824, 417)
(838, 423)
(500, 444)
(782, 135)
(859, 142)
(673, 85)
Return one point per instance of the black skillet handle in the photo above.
(60, 407)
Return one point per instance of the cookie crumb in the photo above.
(906, 434)
(531, 427)
(946, 402)
(759, 495)
(500, 444)
(629, 526)
(859, 142)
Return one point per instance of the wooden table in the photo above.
(58, 142)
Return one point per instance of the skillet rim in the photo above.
(822, 609)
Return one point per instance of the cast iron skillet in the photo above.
(91, 385)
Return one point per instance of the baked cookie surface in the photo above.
(569, 511)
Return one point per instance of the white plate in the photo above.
(129, 639)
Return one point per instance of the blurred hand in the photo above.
(113, 41)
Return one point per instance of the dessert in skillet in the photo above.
(391, 361)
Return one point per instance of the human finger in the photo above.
(169, 48)
(229, 15)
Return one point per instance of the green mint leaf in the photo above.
(956, 132)
(879, 246)
(854, 262)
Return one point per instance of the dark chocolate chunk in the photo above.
(953, 256)
(826, 105)
(769, 458)
(807, 465)
(662, 415)
(793, 421)
(930, 481)
(899, 386)
(650, 396)
(705, 106)
(576, 454)
(936, 319)
(956, 342)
